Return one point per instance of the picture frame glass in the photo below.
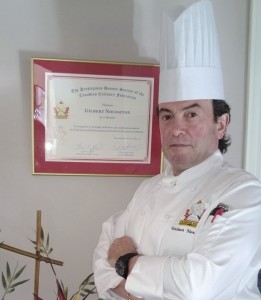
(95, 118)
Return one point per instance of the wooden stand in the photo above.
(36, 256)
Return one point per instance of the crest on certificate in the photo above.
(61, 111)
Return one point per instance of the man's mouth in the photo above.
(178, 145)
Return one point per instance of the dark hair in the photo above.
(220, 107)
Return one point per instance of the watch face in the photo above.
(121, 268)
(122, 264)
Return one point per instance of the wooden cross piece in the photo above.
(37, 256)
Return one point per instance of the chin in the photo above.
(178, 161)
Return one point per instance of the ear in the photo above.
(222, 124)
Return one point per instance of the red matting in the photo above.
(40, 166)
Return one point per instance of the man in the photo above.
(192, 231)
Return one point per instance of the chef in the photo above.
(193, 231)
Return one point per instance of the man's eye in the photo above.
(165, 117)
(192, 115)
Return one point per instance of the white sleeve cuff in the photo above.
(146, 277)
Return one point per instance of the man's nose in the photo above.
(177, 127)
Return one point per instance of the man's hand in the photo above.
(119, 247)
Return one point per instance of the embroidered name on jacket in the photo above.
(193, 214)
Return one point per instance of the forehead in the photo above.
(205, 105)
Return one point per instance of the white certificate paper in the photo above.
(97, 118)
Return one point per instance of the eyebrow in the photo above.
(163, 109)
(191, 106)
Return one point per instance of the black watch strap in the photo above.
(122, 264)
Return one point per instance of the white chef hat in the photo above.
(190, 61)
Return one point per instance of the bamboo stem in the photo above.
(38, 248)
(30, 254)
(37, 255)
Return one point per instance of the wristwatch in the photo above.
(122, 264)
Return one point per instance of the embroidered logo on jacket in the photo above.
(193, 214)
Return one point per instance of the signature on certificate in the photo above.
(88, 149)
(133, 147)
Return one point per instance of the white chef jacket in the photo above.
(189, 254)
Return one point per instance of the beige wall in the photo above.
(73, 207)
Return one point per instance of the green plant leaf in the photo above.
(10, 291)
(34, 242)
(4, 281)
(47, 242)
(19, 272)
(8, 282)
(86, 280)
(8, 272)
(88, 291)
(42, 234)
(19, 283)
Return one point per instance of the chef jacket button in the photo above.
(193, 189)
(167, 217)
(142, 212)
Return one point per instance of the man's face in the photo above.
(189, 133)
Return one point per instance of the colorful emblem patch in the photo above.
(193, 214)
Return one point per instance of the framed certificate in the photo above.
(95, 118)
